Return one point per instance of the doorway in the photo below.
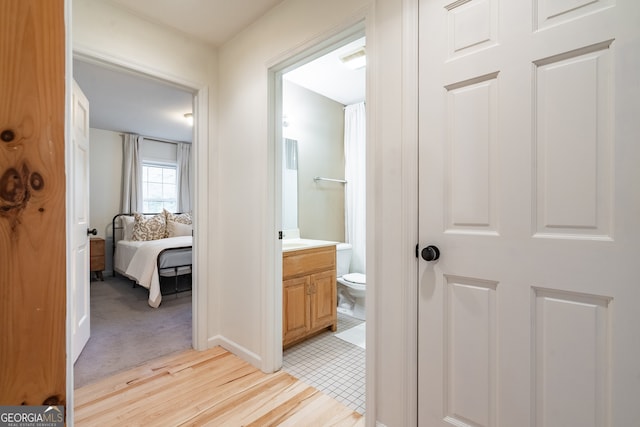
(310, 122)
(193, 324)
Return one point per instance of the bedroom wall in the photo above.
(105, 179)
(105, 183)
(317, 123)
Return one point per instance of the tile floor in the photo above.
(331, 365)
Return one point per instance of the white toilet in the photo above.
(351, 286)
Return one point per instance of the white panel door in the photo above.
(529, 174)
(79, 239)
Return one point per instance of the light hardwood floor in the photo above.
(212, 387)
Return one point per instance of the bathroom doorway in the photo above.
(320, 159)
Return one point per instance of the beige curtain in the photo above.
(131, 174)
(184, 177)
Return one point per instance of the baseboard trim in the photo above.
(238, 350)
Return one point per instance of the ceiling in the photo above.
(328, 76)
(214, 21)
(125, 102)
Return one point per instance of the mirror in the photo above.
(289, 184)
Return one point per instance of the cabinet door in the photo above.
(97, 254)
(295, 308)
(323, 299)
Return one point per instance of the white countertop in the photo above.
(297, 244)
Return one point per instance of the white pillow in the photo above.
(127, 227)
(183, 218)
(175, 229)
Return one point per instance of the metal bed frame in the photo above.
(176, 269)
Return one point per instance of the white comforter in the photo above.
(143, 267)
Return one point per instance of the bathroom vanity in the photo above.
(308, 290)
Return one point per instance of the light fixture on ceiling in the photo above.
(189, 117)
(356, 59)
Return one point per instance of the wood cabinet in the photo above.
(96, 249)
(308, 293)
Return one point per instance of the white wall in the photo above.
(246, 212)
(245, 203)
(106, 31)
(105, 183)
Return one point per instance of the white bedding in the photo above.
(138, 261)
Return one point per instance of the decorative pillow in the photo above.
(127, 227)
(183, 218)
(175, 229)
(153, 228)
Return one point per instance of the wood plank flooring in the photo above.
(212, 387)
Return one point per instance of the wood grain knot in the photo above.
(53, 401)
(16, 189)
(37, 183)
(12, 186)
(7, 135)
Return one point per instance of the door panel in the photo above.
(33, 261)
(79, 176)
(528, 158)
(323, 296)
(296, 321)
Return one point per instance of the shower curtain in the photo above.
(355, 192)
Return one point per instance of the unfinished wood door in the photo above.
(529, 154)
(32, 203)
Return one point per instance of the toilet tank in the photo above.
(343, 258)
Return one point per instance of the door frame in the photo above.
(276, 69)
(307, 53)
(200, 268)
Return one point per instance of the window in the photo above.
(159, 186)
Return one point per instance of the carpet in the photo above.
(356, 335)
(126, 332)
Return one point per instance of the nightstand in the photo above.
(97, 257)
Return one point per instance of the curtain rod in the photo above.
(153, 138)
(320, 178)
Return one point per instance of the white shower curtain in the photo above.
(355, 174)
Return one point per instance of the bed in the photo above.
(148, 247)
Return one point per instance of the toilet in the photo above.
(351, 286)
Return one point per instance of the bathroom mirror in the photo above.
(289, 184)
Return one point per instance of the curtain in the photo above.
(131, 174)
(184, 177)
(355, 189)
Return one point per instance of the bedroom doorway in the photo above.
(124, 342)
(313, 204)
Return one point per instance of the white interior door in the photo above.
(79, 179)
(529, 175)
